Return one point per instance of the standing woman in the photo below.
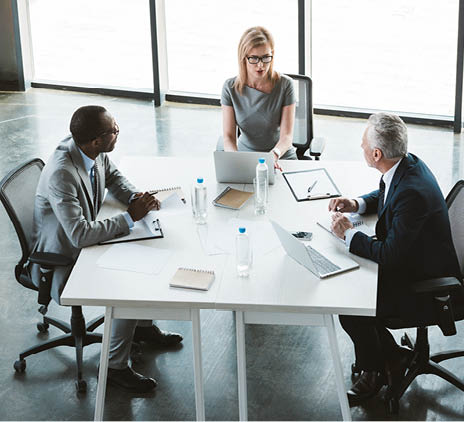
(259, 101)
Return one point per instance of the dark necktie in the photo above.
(95, 189)
(381, 196)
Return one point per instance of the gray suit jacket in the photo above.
(63, 211)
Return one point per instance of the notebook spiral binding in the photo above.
(196, 270)
(166, 189)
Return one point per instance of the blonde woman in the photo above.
(259, 101)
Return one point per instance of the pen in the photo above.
(312, 186)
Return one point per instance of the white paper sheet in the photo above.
(220, 238)
(135, 258)
(172, 205)
(317, 181)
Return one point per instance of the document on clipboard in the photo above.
(307, 185)
(147, 228)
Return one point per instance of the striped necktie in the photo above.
(381, 196)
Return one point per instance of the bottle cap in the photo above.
(261, 160)
(200, 180)
(242, 229)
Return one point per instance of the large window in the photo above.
(397, 55)
(390, 55)
(203, 35)
(95, 42)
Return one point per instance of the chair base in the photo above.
(77, 334)
(421, 363)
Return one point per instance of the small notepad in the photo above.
(190, 278)
(164, 193)
(232, 198)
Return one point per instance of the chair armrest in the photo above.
(317, 147)
(50, 260)
(436, 285)
(440, 289)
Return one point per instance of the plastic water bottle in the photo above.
(261, 189)
(199, 202)
(244, 256)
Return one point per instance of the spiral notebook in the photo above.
(231, 198)
(191, 278)
(163, 193)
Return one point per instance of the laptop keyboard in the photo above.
(323, 265)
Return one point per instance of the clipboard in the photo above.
(308, 185)
(143, 230)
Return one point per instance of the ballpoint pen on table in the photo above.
(312, 186)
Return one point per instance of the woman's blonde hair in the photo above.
(251, 38)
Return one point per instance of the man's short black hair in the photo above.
(86, 123)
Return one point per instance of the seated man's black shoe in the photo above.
(368, 385)
(130, 380)
(154, 335)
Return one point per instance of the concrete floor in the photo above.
(290, 376)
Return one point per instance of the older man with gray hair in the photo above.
(413, 242)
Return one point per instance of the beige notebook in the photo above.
(190, 278)
(232, 198)
(162, 194)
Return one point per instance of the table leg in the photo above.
(197, 366)
(241, 366)
(339, 379)
(102, 374)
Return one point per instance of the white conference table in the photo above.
(278, 291)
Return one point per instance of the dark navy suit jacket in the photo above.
(413, 239)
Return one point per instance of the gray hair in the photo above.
(388, 133)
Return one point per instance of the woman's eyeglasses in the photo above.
(257, 59)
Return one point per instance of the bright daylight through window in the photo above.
(397, 55)
(93, 42)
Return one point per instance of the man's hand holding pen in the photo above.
(343, 205)
(142, 203)
(340, 224)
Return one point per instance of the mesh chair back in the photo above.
(455, 202)
(17, 193)
(303, 128)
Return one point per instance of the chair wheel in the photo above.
(20, 365)
(81, 386)
(355, 370)
(43, 327)
(393, 406)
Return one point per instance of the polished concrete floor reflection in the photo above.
(290, 374)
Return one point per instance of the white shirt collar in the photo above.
(88, 162)
(388, 177)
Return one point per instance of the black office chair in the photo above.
(17, 194)
(444, 316)
(303, 137)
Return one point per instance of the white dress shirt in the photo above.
(88, 164)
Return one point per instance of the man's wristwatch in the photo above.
(277, 152)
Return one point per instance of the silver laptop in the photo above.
(321, 264)
(240, 166)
